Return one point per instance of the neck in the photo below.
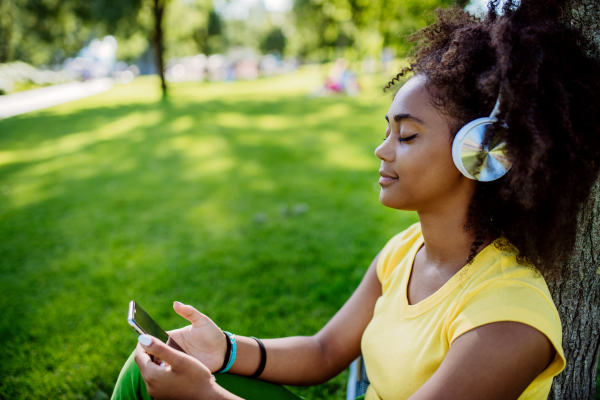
(447, 244)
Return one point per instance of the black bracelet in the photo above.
(227, 354)
(263, 359)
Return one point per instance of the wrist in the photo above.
(231, 353)
(248, 357)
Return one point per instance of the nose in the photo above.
(384, 151)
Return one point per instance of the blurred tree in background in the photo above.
(46, 32)
(42, 32)
(275, 41)
(354, 28)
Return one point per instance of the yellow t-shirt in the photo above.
(404, 344)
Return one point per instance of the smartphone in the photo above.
(143, 324)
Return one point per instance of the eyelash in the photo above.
(405, 139)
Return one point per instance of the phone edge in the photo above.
(131, 320)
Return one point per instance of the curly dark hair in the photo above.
(545, 58)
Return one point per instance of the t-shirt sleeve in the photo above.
(509, 300)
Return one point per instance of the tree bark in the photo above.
(576, 293)
(159, 9)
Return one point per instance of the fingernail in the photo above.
(178, 302)
(146, 340)
(162, 364)
(214, 377)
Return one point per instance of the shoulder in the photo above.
(503, 360)
(396, 249)
(505, 290)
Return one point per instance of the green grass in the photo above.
(249, 201)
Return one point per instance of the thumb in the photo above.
(154, 346)
(191, 314)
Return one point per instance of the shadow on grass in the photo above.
(262, 214)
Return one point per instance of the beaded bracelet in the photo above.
(233, 351)
(227, 353)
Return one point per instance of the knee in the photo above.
(129, 384)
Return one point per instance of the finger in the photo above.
(176, 359)
(191, 314)
(142, 359)
(164, 364)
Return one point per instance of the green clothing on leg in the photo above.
(131, 386)
(254, 389)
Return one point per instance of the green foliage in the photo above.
(326, 27)
(252, 31)
(43, 31)
(47, 31)
(247, 200)
(187, 27)
(209, 37)
(274, 41)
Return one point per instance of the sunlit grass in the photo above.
(248, 200)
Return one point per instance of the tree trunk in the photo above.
(576, 293)
(159, 9)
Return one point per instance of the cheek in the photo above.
(440, 177)
(437, 165)
(426, 174)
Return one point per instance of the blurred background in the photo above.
(213, 152)
(45, 42)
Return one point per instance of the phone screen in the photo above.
(142, 323)
(140, 320)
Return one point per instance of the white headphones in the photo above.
(475, 161)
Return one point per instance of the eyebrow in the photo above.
(400, 117)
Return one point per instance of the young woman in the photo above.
(454, 307)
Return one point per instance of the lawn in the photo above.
(248, 200)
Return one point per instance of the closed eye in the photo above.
(406, 139)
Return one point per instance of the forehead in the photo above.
(412, 98)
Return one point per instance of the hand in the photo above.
(202, 340)
(180, 376)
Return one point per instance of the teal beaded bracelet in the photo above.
(233, 351)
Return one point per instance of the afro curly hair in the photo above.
(545, 58)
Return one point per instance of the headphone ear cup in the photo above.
(474, 161)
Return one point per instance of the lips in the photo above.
(386, 178)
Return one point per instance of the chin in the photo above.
(388, 200)
(395, 201)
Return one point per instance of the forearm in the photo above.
(311, 360)
(297, 360)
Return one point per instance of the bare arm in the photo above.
(493, 362)
(311, 360)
